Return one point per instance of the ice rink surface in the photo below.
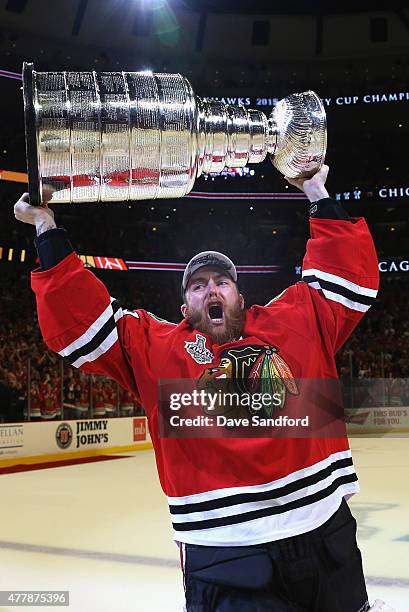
(102, 531)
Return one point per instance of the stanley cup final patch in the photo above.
(198, 350)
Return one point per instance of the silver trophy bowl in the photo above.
(127, 136)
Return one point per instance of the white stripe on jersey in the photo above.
(269, 486)
(340, 281)
(257, 505)
(294, 504)
(341, 290)
(88, 336)
(89, 333)
(271, 528)
(335, 297)
(100, 350)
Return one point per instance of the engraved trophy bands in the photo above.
(125, 136)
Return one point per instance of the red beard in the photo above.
(231, 330)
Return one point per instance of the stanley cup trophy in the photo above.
(126, 136)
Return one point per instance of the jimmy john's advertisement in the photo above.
(56, 439)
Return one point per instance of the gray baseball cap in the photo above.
(208, 258)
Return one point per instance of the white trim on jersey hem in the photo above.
(269, 486)
(340, 281)
(270, 503)
(271, 528)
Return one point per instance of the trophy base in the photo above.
(31, 135)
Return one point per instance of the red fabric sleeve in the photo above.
(340, 268)
(82, 323)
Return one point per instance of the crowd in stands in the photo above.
(374, 363)
(36, 384)
(380, 345)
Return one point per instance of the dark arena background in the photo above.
(250, 53)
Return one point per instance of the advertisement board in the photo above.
(56, 440)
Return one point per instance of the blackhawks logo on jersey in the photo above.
(248, 370)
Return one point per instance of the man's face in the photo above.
(213, 305)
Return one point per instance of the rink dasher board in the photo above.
(39, 442)
(58, 440)
(371, 420)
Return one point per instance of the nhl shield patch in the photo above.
(199, 351)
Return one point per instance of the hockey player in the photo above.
(262, 524)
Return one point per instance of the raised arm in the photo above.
(340, 266)
(78, 318)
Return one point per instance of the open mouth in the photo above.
(216, 313)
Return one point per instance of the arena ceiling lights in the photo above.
(150, 5)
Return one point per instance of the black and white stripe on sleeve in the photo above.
(340, 290)
(100, 336)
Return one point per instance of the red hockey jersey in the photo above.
(229, 491)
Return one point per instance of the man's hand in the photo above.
(40, 216)
(314, 187)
